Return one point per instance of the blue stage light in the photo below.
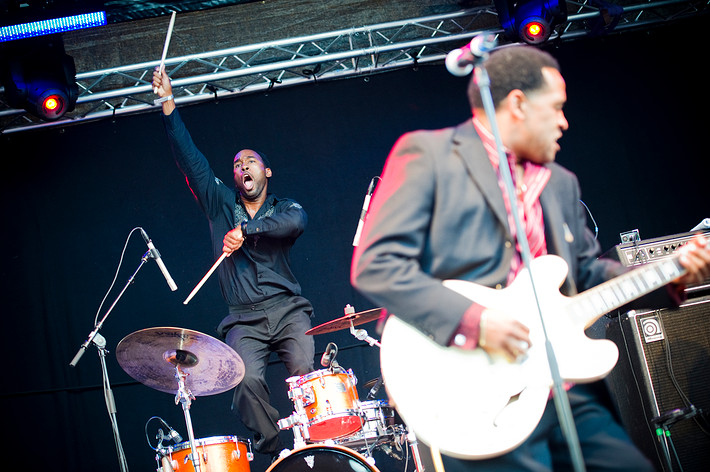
(53, 26)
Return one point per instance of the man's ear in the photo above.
(267, 172)
(516, 101)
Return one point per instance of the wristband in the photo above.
(158, 101)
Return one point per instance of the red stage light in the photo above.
(534, 31)
(51, 103)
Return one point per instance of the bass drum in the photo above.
(320, 458)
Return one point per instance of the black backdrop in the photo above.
(71, 196)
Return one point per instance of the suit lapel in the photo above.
(468, 146)
(557, 233)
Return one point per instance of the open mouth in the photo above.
(248, 181)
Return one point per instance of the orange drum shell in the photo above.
(217, 454)
(334, 411)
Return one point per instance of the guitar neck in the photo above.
(592, 304)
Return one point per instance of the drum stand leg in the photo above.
(414, 446)
(185, 397)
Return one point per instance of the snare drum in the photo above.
(216, 454)
(331, 404)
(320, 458)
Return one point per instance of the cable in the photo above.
(113, 282)
(596, 228)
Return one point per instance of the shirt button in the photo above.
(499, 286)
(460, 339)
(508, 244)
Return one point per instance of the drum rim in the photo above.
(340, 448)
(375, 403)
(317, 374)
(209, 441)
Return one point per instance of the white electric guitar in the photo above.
(473, 405)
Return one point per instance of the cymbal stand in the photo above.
(185, 397)
(414, 446)
(362, 335)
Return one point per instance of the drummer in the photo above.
(257, 230)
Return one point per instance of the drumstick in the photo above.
(165, 46)
(204, 279)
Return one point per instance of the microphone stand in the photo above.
(561, 400)
(100, 342)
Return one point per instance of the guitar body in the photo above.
(473, 405)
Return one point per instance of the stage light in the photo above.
(52, 26)
(531, 21)
(40, 78)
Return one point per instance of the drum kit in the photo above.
(333, 430)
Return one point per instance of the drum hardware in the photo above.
(162, 455)
(414, 447)
(298, 421)
(198, 363)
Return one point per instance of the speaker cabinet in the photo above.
(664, 365)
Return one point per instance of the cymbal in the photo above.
(344, 322)
(151, 356)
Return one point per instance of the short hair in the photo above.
(514, 67)
(263, 157)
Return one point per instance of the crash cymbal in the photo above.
(151, 356)
(345, 321)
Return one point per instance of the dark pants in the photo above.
(277, 325)
(604, 443)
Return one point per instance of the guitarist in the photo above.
(441, 212)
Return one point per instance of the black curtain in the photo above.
(71, 196)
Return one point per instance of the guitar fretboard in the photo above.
(627, 287)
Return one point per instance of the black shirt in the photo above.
(260, 269)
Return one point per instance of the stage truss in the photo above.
(326, 56)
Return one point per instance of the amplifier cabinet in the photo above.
(664, 365)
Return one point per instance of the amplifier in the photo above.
(663, 368)
(649, 250)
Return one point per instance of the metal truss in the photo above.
(326, 56)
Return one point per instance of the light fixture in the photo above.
(531, 21)
(39, 77)
(52, 26)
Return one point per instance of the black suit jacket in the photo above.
(438, 213)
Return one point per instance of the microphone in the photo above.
(363, 213)
(460, 62)
(375, 388)
(172, 434)
(156, 255)
(330, 352)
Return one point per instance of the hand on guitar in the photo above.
(695, 258)
(501, 333)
